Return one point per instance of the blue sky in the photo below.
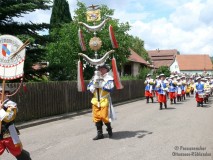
(185, 25)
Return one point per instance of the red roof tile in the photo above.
(158, 64)
(194, 62)
(170, 52)
(162, 57)
(136, 58)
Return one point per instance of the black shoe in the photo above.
(109, 132)
(161, 106)
(198, 104)
(178, 99)
(109, 129)
(147, 99)
(24, 155)
(99, 136)
(99, 131)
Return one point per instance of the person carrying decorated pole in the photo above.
(149, 82)
(199, 92)
(101, 86)
(102, 82)
(172, 90)
(162, 88)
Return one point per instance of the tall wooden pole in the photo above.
(2, 98)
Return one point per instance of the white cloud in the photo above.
(185, 30)
(186, 16)
(39, 16)
(130, 17)
(206, 13)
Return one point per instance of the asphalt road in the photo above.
(141, 132)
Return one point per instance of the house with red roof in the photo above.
(162, 57)
(192, 64)
(135, 62)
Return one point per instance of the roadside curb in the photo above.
(23, 125)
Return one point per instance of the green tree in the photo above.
(35, 52)
(61, 63)
(143, 73)
(138, 46)
(63, 52)
(163, 69)
(60, 13)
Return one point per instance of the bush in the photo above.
(163, 69)
(143, 72)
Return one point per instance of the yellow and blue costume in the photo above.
(102, 108)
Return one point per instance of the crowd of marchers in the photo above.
(177, 87)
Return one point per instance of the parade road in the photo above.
(141, 132)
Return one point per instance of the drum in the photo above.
(201, 95)
(207, 92)
(12, 57)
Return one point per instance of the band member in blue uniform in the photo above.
(199, 90)
(162, 89)
(172, 90)
(149, 88)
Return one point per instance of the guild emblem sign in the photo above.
(93, 15)
(11, 62)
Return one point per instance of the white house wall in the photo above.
(174, 67)
(135, 68)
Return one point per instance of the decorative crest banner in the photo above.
(93, 15)
(11, 62)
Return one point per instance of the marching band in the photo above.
(177, 88)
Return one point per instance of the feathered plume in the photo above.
(116, 75)
(81, 40)
(112, 37)
(80, 78)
